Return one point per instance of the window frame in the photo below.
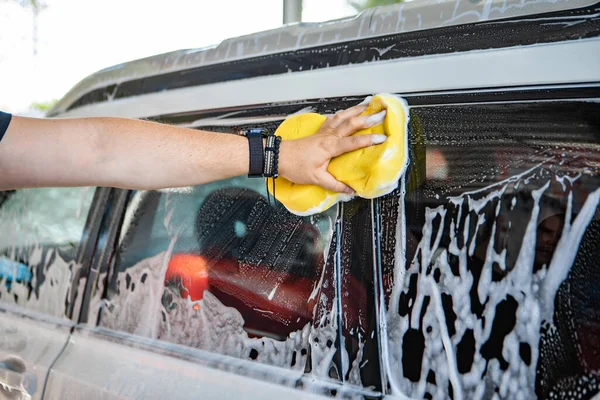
(115, 216)
(102, 266)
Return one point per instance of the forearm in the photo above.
(145, 155)
(133, 154)
(116, 152)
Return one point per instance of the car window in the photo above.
(360, 333)
(490, 252)
(218, 267)
(41, 232)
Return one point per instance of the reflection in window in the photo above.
(41, 231)
(221, 269)
(498, 292)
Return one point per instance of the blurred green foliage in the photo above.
(35, 4)
(361, 5)
(43, 106)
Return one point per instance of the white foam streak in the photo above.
(392, 356)
(524, 266)
(565, 252)
(448, 346)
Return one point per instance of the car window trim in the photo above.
(86, 249)
(109, 224)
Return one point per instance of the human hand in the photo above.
(305, 160)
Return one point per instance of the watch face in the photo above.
(256, 132)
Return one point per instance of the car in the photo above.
(476, 278)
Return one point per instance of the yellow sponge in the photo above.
(372, 172)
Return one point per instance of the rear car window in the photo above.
(41, 233)
(490, 252)
(218, 267)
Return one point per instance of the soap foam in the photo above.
(533, 294)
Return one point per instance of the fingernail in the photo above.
(366, 101)
(376, 119)
(378, 139)
(349, 191)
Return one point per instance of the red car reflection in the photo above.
(272, 303)
(267, 299)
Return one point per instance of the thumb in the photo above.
(327, 181)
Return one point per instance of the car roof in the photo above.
(380, 21)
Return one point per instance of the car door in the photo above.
(42, 248)
(490, 247)
(210, 290)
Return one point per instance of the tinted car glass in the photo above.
(357, 295)
(41, 232)
(490, 253)
(218, 267)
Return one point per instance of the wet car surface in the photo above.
(477, 277)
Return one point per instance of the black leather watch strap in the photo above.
(257, 154)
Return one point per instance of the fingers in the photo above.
(352, 143)
(366, 101)
(342, 116)
(327, 181)
(353, 125)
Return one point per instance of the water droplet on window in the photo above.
(240, 229)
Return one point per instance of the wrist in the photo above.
(285, 158)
